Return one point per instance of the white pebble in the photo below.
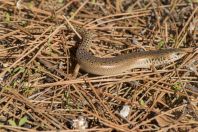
(124, 112)
(80, 123)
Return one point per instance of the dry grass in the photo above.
(39, 92)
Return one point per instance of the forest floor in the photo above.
(41, 90)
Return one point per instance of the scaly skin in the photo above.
(121, 63)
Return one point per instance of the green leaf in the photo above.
(12, 123)
(16, 70)
(177, 86)
(19, 69)
(142, 102)
(161, 44)
(23, 121)
(7, 17)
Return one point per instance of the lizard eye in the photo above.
(178, 54)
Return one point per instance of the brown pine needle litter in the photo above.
(41, 90)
